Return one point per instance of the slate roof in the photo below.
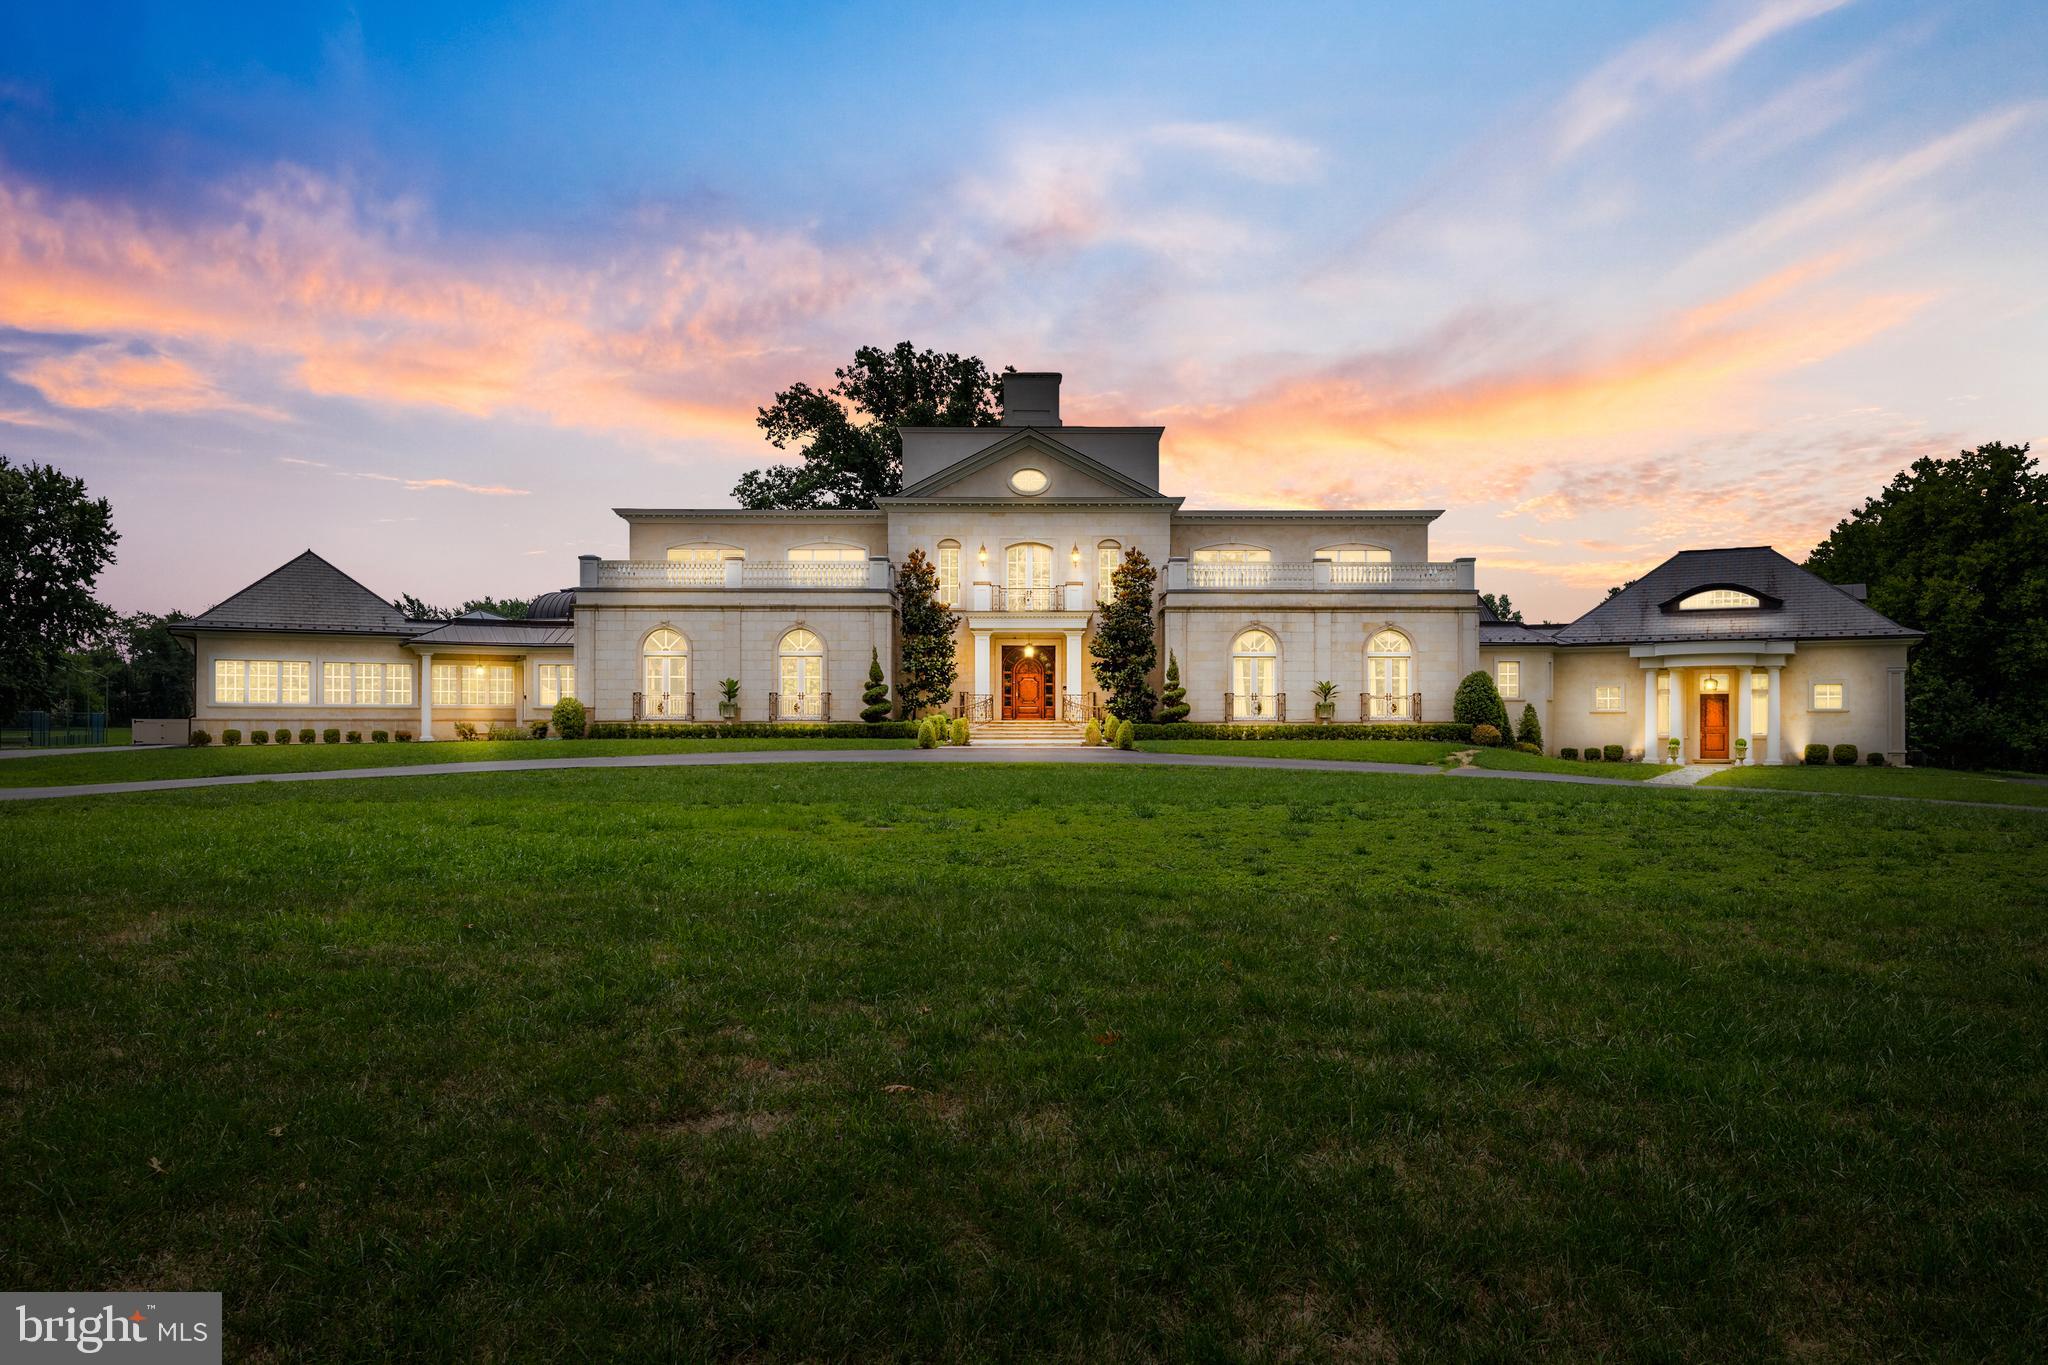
(1515, 633)
(496, 630)
(1797, 604)
(307, 594)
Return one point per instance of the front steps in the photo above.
(1027, 734)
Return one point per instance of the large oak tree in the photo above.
(54, 542)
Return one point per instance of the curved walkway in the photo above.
(972, 754)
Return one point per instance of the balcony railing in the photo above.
(800, 706)
(664, 706)
(736, 574)
(1002, 598)
(1247, 706)
(1389, 706)
(1319, 575)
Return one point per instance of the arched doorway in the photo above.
(1028, 671)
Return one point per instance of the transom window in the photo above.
(665, 673)
(261, 682)
(1255, 676)
(823, 553)
(800, 666)
(1388, 659)
(1508, 674)
(1719, 599)
(949, 572)
(1108, 556)
(1607, 698)
(1830, 696)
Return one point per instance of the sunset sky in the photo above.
(430, 294)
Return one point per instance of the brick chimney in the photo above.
(1031, 400)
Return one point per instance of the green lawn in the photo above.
(144, 765)
(118, 737)
(1939, 784)
(1515, 761)
(1103, 1063)
(1349, 750)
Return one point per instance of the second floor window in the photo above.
(949, 572)
(1108, 556)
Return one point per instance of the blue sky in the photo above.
(430, 291)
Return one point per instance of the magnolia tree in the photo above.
(925, 679)
(1125, 646)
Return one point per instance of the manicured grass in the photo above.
(1939, 784)
(145, 765)
(1001, 1061)
(118, 736)
(1352, 750)
(1516, 761)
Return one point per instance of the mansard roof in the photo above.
(307, 594)
(1796, 605)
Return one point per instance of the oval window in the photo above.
(1028, 481)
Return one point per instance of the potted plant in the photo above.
(1671, 746)
(1326, 700)
(1741, 751)
(729, 699)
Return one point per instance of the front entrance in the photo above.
(1027, 693)
(1714, 727)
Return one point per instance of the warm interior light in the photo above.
(1031, 651)
(1710, 684)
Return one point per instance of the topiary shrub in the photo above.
(1091, 737)
(1845, 755)
(231, 737)
(1568, 753)
(283, 736)
(259, 736)
(1478, 703)
(925, 738)
(1485, 733)
(1126, 738)
(874, 698)
(1528, 748)
(1444, 730)
(1592, 755)
(200, 739)
(570, 719)
(354, 736)
(961, 735)
(306, 736)
(1173, 702)
(380, 736)
(1530, 731)
(1611, 752)
(1815, 753)
(330, 736)
(402, 736)
(1874, 759)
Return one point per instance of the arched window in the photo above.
(949, 572)
(666, 669)
(699, 565)
(1255, 677)
(1108, 555)
(1388, 659)
(1719, 599)
(703, 552)
(1027, 578)
(800, 665)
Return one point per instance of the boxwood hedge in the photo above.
(1435, 730)
(894, 729)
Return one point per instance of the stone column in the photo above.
(1650, 754)
(426, 697)
(1771, 739)
(1744, 715)
(1678, 713)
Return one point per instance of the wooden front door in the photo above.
(1714, 727)
(1027, 689)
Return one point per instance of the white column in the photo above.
(1650, 754)
(1073, 671)
(1771, 743)
(1743, 714)
(981, 666)
(1678, 713)
(426, 697)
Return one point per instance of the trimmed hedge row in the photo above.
(895, 729)
(1446, 731)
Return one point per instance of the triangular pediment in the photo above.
(996, 472)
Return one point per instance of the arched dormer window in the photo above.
(1719, 599)
(1255, 676)
(1389, 660)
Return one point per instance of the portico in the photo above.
(1042, 651)
(1708, 697)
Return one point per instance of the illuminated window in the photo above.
(554, 682)
(1108, 556)
(294, 683)
(369, 684)
(260, 682)
(1388, 655)
(1718, 599)
(473, 685)
(822, 553)
(1829, 697)
(1255, 671)
(230, 680)
(1233, 554)
(1029, 482)
(1664, 705)
(703, 554)
(366, 684)
(1607, 699)
(949, 572)
(1759, 703)
(1027, 577)
(1508, 674)
(1355, 554)
(665, 671)
(800, 667)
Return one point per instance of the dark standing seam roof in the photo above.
(1809, 608)
(1515, 633)
(307, 594)
(559, 605)
(497, 631)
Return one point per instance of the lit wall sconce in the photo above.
(984, 552)
(1031, 651)
(1076, 556)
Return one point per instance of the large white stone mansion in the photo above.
(1025, 522)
